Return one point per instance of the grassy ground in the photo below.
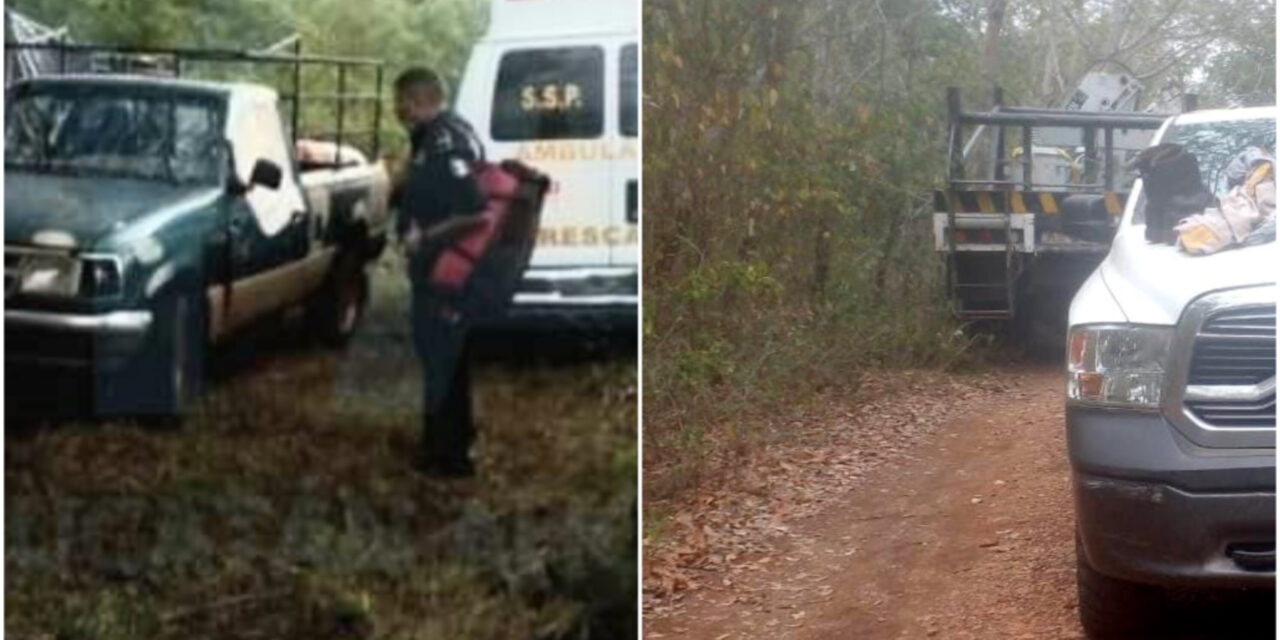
(287, 507)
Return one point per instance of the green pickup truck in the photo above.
(148, 218)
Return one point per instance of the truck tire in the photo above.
(1112, 609)
(339, 307)
(174, 371)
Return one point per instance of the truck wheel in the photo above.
(337, 312)
(1112, 609)
(176, 367)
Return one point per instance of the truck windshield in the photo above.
(1215, 144)
(116, 131)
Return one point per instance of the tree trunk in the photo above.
(1051, 84)
(991, 47)
(821, 258)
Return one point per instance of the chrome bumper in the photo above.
(578, 287)
(100, 342)
(522, 299)
(118, 323)
(575, 299)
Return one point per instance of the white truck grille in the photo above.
(1231, 380)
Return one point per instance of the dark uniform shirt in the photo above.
(440, 181)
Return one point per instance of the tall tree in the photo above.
(991, 42)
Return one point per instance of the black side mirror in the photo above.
(266, 173)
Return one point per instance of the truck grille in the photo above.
(1237, 414)
(1236, 347)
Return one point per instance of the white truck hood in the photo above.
(1152, 284)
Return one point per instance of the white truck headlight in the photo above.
(1117, 365)
(52, 275)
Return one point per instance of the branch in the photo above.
(1175, 58)
(224, 603)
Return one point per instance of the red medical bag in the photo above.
(481, 268)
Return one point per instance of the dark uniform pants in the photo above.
(440, 339)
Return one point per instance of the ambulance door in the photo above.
(623, 233)
(549, 111)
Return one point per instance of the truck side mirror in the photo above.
(266, 173)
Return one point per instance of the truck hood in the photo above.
(1152, 284)
(77, 211)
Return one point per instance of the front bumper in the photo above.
(98, 342)
(551, 318)
(1153, 507)
(588, 300)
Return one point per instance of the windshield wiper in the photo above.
(43, 166)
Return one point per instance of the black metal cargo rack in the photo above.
(1029, 119)
(999, 189)
(99, 59)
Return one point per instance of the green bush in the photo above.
(788, 244)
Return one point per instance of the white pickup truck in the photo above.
(1171, 406)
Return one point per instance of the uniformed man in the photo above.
(437, 199)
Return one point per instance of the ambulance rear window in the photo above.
(549, 94)
(630, 87)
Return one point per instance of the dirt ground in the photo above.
(287, 505)
(965, 532)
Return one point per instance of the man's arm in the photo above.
(455, 148)
(398, 172)
(459, 188)
(441, 194)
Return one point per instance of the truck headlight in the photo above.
(1117, 365)
(49, 274)
(64, 275)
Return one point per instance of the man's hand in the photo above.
(416, 238)
(412, 239)
(452, 228)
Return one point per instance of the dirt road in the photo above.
(966, 534)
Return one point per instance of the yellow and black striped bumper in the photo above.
(1040, 202)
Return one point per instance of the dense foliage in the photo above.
(790, 150)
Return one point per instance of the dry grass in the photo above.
(287, 507)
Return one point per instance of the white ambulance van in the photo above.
(554, 83)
